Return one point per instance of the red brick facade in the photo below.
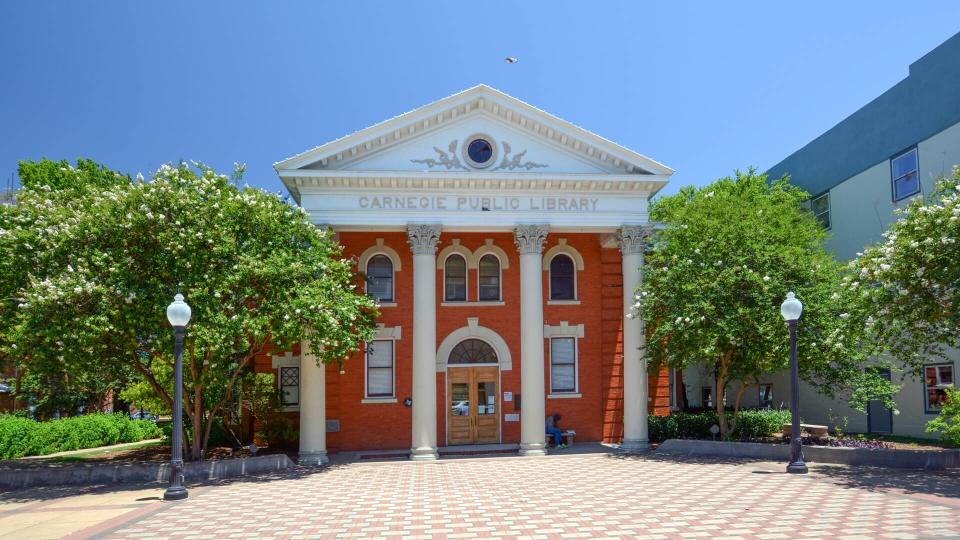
(596, 416)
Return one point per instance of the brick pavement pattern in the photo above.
(582, 496)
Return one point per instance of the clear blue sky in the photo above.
(704, 87)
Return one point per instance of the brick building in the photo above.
(503, 245)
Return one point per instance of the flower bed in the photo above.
(21, 437)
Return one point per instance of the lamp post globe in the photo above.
(178, 314)
(791, 309)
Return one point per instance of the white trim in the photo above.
(564, 329)
(499, 277)
(376, 400)
(563, 302)
(379, 249)
(454, 247)
(489, 140)
(576, 276)
(565, 396)
(287, 360)
(489, 247)
(473, 330)
(388, 304)
(563, 247)
(576, 362)
(466, 279)
(388, 332)
(472, 304)
(393, 369)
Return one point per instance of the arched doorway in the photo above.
(473, 382)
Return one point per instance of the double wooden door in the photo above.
(472, 405)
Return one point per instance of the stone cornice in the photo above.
(530, 238)
(423, 238)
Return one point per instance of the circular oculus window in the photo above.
(480, 152)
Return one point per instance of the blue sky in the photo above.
(704, 87)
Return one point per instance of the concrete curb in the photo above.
(901, 459)
(140, 472)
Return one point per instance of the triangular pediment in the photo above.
(434, 138)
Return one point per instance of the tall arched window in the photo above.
(472, 351)
(489, 279)
(380, 278)
(455, 279)
(563, 278)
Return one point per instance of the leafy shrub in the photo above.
(21, 437)
(751, 424)
(948, 421)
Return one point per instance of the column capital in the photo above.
(423, 238)
(633, 238)
(530, 238)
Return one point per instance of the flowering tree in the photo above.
(716, 276)
(911, 280)
(89, 270)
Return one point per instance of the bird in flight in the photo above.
(511, 60)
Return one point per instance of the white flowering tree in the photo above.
(88, 270)
(910, 282)
(717, 274)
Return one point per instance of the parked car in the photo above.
(143, 415)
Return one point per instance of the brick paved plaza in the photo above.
(568, 496)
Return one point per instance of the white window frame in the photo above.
(466, 279)
(392, 398)
(393, 278)
(576, 291)
(576, 368)
(499, 277)
(893, 181)
(280, 386)
(285, 361)
(829, 224)
(926, 388)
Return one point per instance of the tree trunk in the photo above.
(722, 393)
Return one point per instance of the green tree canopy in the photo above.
(717, 274)
(88, 274)
(911, 280)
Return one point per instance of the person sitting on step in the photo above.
(553, 428)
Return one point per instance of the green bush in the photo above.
(21, 437)
(751, 424)
(948, 421)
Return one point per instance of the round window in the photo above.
(480, 152)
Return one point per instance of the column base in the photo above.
(426, 453)
(533, 449)
(797, 467)
(635, 446)
(313, 458)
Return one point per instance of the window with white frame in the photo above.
(380, 368)
(936, 379)
(766, 396)
(904, 174)
(455, 279)
(380, 278)
(820, 206)
(289, 380)
(563, 278)
(488, 276)
(563, 365)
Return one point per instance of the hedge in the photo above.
(751, 424)
(21, 437)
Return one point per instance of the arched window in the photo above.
(472, 351)
(380, 278)
(489, 279)
(455, 279)
(563, 278)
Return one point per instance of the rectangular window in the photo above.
(563, 365)
(820, 206)
(289, 386)
(936, 378)
(904, 174)
(380, 368)
(706, 397)
(766, 396)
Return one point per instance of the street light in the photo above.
(178, 313)
(791, 308)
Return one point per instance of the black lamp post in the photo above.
(178, 313)
(791, 308)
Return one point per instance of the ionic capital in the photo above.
(423, 238)
(530, 238)
(633, 238)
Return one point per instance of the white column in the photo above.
(635, 384)
(423, 241)
(530, 240)
(313, 408)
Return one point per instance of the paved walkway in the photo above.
(565, 496)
